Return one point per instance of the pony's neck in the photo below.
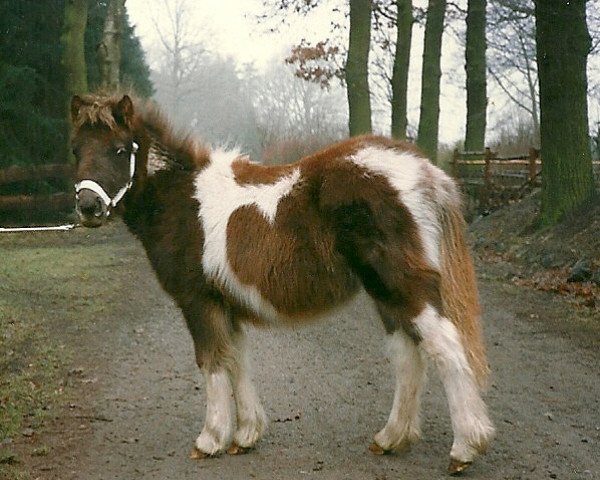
(164, 180)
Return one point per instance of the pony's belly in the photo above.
(291, 293)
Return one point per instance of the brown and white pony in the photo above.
(234, 242)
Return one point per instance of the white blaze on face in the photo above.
(404, 171)
(219, 196)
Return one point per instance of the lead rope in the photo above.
(57, 228)
(98, 190)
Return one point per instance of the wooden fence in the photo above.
(53, 202)
(492, 180)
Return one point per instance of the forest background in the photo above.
(311, 93)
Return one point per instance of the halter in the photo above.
(98, 190)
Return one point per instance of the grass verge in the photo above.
(51, 287)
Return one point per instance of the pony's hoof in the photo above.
(197, 454)
(235, 449)
(376, 449)
(457, 466)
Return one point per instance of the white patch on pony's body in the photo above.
(218, 425)
(219, 196)
(472, 428)
(405, 170)
(267, 197)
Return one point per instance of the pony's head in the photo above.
(105, 149)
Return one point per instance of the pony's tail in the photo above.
(460, 299)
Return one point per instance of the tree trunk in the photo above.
(427, 137)
(73, 56)
(109, 48)
(400, 72)
(357, 81)
(563, 44)
(476, 76)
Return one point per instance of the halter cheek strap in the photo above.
(98, 190)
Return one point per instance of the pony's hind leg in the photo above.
(402, 428)
(251, 418)
(471, 425)
(382, 248)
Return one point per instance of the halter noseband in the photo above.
(98, 190)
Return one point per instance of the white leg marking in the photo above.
(251, 418)
(470, 422)
(402, 427)
(218, 424)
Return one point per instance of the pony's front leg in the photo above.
(218, 425)
(251, 418)
(213, 333)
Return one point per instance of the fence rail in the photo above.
(16, 174)
(46, 202)
(36, 202)
(492, 180)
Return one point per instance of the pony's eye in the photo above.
(121, 151)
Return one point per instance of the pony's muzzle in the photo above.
(91, 208)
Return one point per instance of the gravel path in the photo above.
(327, 389)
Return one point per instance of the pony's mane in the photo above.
(180, 148)
(97, 110)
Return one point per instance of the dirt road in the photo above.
(326, 389)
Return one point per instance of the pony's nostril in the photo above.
(91, 207)
(88, 209)
(99, 210)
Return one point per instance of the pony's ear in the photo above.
(123, 111)
(76, 104)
